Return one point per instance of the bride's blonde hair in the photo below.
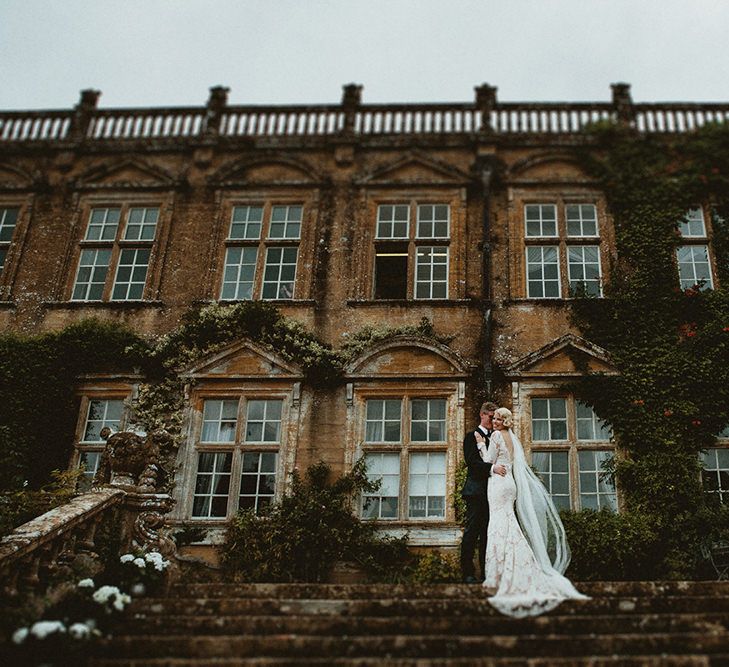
(506, 416)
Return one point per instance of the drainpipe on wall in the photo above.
(486, 169)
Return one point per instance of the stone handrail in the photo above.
(34, 549)
(485, 115)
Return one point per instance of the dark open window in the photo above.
(391, 271)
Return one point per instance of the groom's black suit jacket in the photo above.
(478, 470)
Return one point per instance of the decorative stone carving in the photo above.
(148, 531)
(131, 461)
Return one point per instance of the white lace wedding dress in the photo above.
(518, 584)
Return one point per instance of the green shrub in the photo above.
(302, 537)
(38, 375)
(608, 546)
(436, 568)
(18, 507)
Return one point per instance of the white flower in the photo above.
(104, 593)
(19, 635)
(138, 589)
(155, 557)
(126, 558)
(79, 631)
(86, 583)
(139, 562)
(42, 629)
(121, 601)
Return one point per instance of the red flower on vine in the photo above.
(696, 422)
(703, 178)
(687, 330)
(726, 329)
(667, 412)
(715, 170)
(638, 401)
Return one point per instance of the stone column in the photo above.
(351, 99)
(486, 103)
(217, 102)
(83, 112)
(623, 103)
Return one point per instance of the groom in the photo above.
(474, 493)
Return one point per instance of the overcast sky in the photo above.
(170, 52)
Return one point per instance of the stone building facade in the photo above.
(476, 216)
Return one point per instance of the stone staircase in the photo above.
(625, 623)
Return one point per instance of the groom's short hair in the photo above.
(488, 406)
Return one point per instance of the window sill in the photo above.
(441, 303)
(277, 302)
(552, 301)
(112, 305)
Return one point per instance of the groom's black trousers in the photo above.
(475, 528)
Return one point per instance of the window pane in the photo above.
(264, 421)
(426, 485)
(102, 413)
(383, 503)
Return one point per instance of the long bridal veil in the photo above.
(538, 517)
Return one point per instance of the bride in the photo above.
(526, 550)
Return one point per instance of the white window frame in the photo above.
(235, 441)
(7, 231)
(581, 219)
(242, 286)
(541, 220)
(108, 231)
(218, 472)
(542, 264)
(549, 419)
(549, 476)
(404, 447)
(149, 220)
(693, 217)
(382, 223)
(605, 493)
(290, 224)
(133, 282)
(597, 425)
(251, 225)
(92, 448)
(380, 473)
(575, 282)
(382, 421)
(412, 242)
(97, 274)
(433, 221)
(430, 284)
(279, 283)
(573, 445)
(688, 282)
(261, 500)
(427, 475)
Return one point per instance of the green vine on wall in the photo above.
(670, 346)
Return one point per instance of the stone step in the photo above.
(408, 625)
(377, 591)
(479, 606)
(719, 660)
(398, 646)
